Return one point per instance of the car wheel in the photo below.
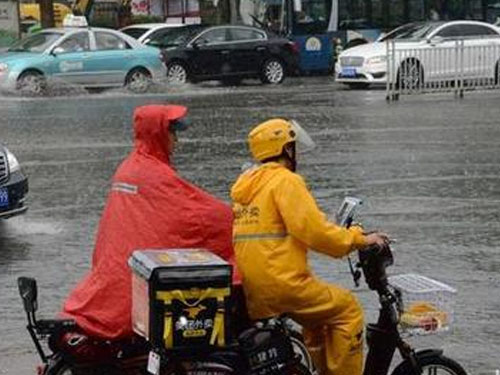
(31, 83)
(177, 73)
(138, 80)
(273, 71)
(411, 76)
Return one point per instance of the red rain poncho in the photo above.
(149, 206)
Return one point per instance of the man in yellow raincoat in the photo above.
(276, 222)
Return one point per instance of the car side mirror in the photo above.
(380, 37)
(153, 43)
(199, 43)
(29, 293)
(435, 40)
(57, 51)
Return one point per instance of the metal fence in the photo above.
(442, 66)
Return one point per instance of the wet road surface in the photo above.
(428, 169)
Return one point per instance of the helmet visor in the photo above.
(303, 142)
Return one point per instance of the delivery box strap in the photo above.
(218, 330)
(183, 295)
(168, 333)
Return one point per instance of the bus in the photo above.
(321, 28)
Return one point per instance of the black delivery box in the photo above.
(180, 298)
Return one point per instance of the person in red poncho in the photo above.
(149, 206)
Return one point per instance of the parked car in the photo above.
(91, 57)
(367, 64)
(150, 33)
(228, 53)
(13, 185)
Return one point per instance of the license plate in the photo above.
(153, 363)
(349, 72)
(4, 197)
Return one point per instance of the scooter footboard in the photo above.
(382, 344)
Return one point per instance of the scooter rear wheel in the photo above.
(435, 364)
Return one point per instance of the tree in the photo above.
(46, 13)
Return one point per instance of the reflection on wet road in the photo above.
(427, 168)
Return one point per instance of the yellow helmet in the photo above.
(267, 139)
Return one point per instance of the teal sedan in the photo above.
(89, 56)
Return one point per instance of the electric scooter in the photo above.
(267, 347)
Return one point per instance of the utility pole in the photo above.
(46, 13)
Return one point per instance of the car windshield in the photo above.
(36, 43)
(411, 31)
(177, 36)
(134, 32)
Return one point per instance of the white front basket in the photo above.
(427, 304)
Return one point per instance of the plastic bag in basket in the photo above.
(423, 315)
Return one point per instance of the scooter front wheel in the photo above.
(435, 364)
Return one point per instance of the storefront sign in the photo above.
(140, 7)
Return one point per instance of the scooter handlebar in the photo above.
(374, 261)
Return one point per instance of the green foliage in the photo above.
(7, 38)
(146, 19)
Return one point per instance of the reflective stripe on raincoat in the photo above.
(276, 221)
(149, 206)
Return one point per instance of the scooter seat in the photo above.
(49, 326)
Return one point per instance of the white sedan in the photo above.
(424, 51)
(150, 33)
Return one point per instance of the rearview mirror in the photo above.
(199, 43)
(435, 40)
(28, 292)
(57, 51)
(346, 212)
(381, 36)
(153, 43)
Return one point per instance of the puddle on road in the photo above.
(22, 225)
(57, 88)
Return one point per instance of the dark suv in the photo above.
(228, 53)
(13, 185)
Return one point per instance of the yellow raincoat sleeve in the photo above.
(308, 224)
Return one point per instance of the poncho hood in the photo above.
(151, 129)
